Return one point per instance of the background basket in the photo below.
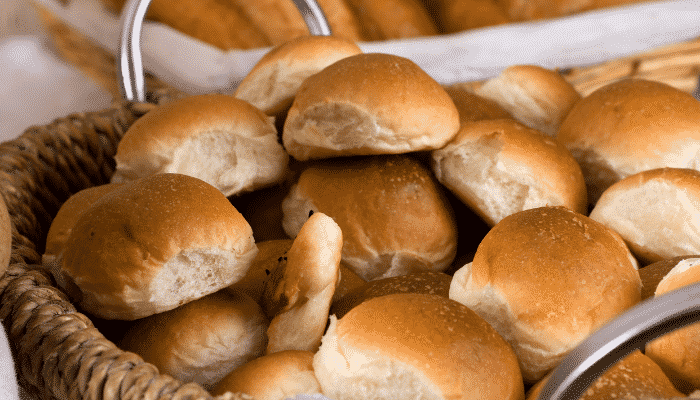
(59, 353)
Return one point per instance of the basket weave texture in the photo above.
(59, 353)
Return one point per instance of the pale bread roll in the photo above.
(678, 352)
(219, 139)
(634, 377)
(152, 245)
(655, 211)
(201, 341)
(546, 279)
(369, 104)
(273, 82)
(299, 291)
(415, 346)
(392, 212)
(500, 167)
(630, 126)
(276, 376)
(654, 273)
(538, 97)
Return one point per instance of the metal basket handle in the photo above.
(130, 65)
(626, 333)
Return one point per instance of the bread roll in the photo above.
(634, 377)
(500, 167)
(631, 126)
(652, 274)
(472, 107)
(461, 15)
(298, 292)
(222, 140)
(545, 279)
(276, 376)
(5, 237)
(415, 346)
(390, 209)
(436, 283)
(152, 245)
(538, 97)
(68, 215)
(655, 211)
(269, 255)
(678, 352)
(203, 340)
(393, 19)
(273, 82)
(369, 104)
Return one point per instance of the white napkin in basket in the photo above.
(8, 379)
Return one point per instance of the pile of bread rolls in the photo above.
(343, 225)
(245, 24)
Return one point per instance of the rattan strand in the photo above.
(59, 353)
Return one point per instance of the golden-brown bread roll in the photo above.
(203, 340)
(460, 15)
(152, 245)
(652, 274)
(678, 352)
(500, 167)
(273, 82)
(218, 23)
(69, 213)
(472, 107)
(655, 212)
(270, 254)
(630, 126)
(299, 291)
(528, 10)
(392, 212)
(276, 376)
(538, 97)
(545, 279)
(369, 104)
(634, 377)
(222, 140)
(393, 19)
(415, 346)
(429, 282)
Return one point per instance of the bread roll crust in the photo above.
(631, 126)
(152, 245)
(369, 104)
(546, 278)
(392, 213)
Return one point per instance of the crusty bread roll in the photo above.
(201, 341)
(5, 237)
(538, 97)
(415, 346)
(275, 79)
(472, 107)
(68, 215)
(678, 352)
(500, 167)
(276, 376)
(299, 292)
(428, 282)
(152, 245)
(390, 209)
(222, 140)
(545, 279)
(631, 126)
(655, 211)
(393, 19)
(460, 15)
(654, 273)
(369, 104)
(634, 377)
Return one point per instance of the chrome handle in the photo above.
(130, 64)
(626, 333)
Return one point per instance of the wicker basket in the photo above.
(59, 352)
